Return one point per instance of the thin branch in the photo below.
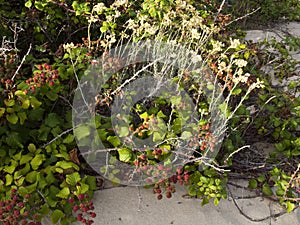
(23, 60)
(276, 215)
(59, 136)
(240, 18)
(236, 151)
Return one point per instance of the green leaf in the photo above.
(25, 103)
(31, 177)
(2, 111)
(51, 95)
(64, 193)
(37, 161)
(67, 165)
(236, 91)
(125, 154)
(34, 102)
(91, 181)
(205, 201)
(52, 120)
(10, 169)
(28, 4)
(25, 159)
(261, 178)
(9, 103)
(103, 29)
(123, 131)
(73, 178)
(8, 179)
(81, 132)
(69, 139)
(44, 210)
(267, 190)
(290, 206)
(252, 184)
(157, 136)
(186, 135)
(216, 201)
(13, 118)
(31, 147)
(22, 116)
(56, 216)
(115, 141)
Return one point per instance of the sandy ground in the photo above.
(133, 206)
(120, 206)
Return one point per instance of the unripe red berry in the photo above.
(35, 217)
(79, 217)
(51, 83)
(39, 67)
(25, 214)
(71, 200)
(27, 196)
(8, 81)
(75, 208)
(80, 197)
(168, 195)
(159, 197)
(47, 66)
(159, 151)
(16, 212)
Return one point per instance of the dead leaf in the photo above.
(74, 156)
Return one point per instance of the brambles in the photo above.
(151, 136)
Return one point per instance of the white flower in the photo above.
(67, 47)
(217, 45)
(195, 34)
(239, 72)
(222, 66)
(234, 43)
(119, 3)
(196, 58)
(240, 62)
(99, 8)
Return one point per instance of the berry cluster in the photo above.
(142, 129)
(83, 208)
(44, 75)
(111, 63)
(167, 186)
(13, 212)
(203, 139)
